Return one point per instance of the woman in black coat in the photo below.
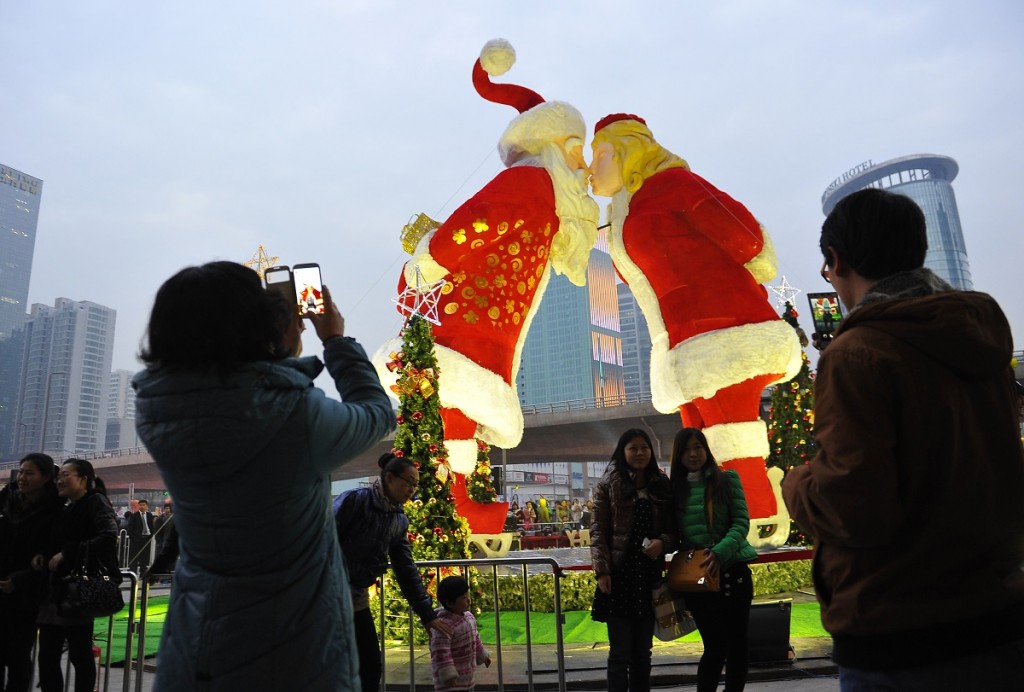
(84, 535)
(27, 510)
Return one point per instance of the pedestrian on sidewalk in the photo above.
(630, 532)
(711, 512)
(914, 497)
(28, 508)
(84, 538)
(245, 442)
(372, 527)
(454, 657)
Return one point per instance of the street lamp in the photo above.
(46, 409)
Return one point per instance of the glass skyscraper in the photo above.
(926, 179)
(574, 351)
(19, 212)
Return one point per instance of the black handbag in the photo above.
(86, 595)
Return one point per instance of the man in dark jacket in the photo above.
(140, 532)
(914, 496)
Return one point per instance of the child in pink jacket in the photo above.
(454, 657)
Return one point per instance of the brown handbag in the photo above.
(685, 573)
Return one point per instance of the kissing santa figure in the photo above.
(695, 260)
(495, 253)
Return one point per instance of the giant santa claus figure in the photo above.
(494, 254)
(695, 260)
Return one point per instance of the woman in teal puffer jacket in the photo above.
(712, 514)
(244, 442)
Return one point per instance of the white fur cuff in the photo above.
(738, 440)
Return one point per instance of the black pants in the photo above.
(369, 649)
(629, 653)
(51, 644)
(723, 620)
(17, 635)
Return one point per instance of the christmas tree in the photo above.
(791, 420)
(480, 484)
(436, 531)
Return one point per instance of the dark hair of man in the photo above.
(652, 473)
(84, 469)
(715, 486)
(877, 233)
(393, 464)
(451, 588)
(44, 464)
(213, 317)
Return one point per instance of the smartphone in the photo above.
(279, 281)
(309, 289)
(826, 312)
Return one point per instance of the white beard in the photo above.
(577, 212)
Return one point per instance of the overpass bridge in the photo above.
(581, 430)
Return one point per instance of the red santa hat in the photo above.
(614, 118)
(539, 121)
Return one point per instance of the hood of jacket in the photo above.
(965, 331)
(192, 418)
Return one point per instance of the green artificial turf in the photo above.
(155, 613)
(805, 621)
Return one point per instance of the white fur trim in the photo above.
(780, 520)
(430, 270)
(730, 441)
(528, 132)
(482, 395)
(497, 57)
(462, 455)
(712, 361)
(764, 266)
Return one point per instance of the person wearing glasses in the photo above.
(372, 527)
(259, 598)
(84, 536)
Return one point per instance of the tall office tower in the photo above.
(62, 402)
(926, 179)
(121, 412)
(573, 351)
(19, 212)
(636, 346)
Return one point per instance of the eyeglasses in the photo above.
(412, 484)
(825, 273)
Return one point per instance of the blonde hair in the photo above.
(639, 154)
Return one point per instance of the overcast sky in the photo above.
(174, 133)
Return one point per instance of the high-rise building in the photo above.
(573, 351)
(65, 373)
(636, 347)
(19, 212)
(926, 179)
(121, 412)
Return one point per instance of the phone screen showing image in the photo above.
(825, 311)
(309, 289)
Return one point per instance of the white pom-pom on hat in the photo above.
(497, 57)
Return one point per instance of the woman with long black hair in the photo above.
(27, 511)
(84, 538)
(630, 531)
(712, 517)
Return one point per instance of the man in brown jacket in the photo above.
(914, 498)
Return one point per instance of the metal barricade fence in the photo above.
(557, 574)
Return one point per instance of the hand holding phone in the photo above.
(330, 324)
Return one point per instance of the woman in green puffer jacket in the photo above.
(711, 513)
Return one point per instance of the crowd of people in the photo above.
(913, 500)
(535, 516)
